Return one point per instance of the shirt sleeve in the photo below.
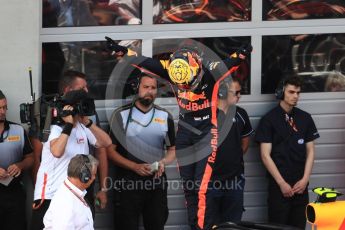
(116, 130)
(170, 138)
(157, 67)
(264, 131)
(90, 137)
(247, 128)
(55, 132)
(27, 149)
(312, 132)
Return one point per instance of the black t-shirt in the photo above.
(229, 161)
(288, 140)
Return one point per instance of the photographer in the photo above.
(69, 137)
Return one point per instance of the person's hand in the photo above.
(14, 170)
(116, 49)
(69, 118)
(244, 51)
(286, 189)
(142, 169)
(161, 169)
(84, 120)
(101, 196)
(3, 174)
(300, 186)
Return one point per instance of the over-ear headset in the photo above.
(135, 84)
(279, 92)
(224, 88)
(85, 172)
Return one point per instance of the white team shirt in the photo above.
(53, 171)
(68, 210)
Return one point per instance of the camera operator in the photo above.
(69, 137)
(73, 80)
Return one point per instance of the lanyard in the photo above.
(291, 122)
(74, 193)
(131, 119)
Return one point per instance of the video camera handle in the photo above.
(31, 88)
(27, 110)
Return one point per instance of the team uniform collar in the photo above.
(75, 189)
(282, 111)
(6, 127)
(143, 111)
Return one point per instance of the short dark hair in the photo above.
(294, 80)
(68, 78)
(2, 96)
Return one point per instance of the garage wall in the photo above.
(20, 47)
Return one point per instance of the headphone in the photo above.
(279, 92)
(224, 88)
(135, 84)
(85, 174)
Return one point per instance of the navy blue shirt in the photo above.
(288, 140)
(229, 161)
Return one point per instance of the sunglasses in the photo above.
(235, 93)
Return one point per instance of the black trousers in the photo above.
(131, 204)
(38, 214)
(288, 211)
(12, 207)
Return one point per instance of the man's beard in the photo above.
(2, 120)
(145, 101)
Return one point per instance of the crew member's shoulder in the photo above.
(14, 124)
(240, 110)
(162, 109)
(122, 108)
(273, 112)
(301, 112)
